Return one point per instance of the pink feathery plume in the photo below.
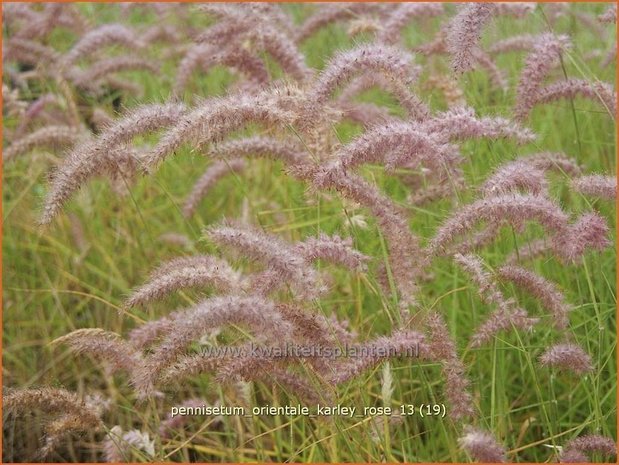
(406, 257)
(165, 33)
(101, 120)
(44, 23)
(225, 31)
(364, 24)
(414, 107)
(215, 172)
(48, 136)
(518, 43)
(13, 13)
(258, 146)
(182, 273)
(554, 161)
(13, 105)
(266, 248)
(116, 84)
(611, 56)
(610, 15)
(461, 123)
(316, 328)
(277, 16)
(464, 32)
(529, 251)
(596, 185)
(402, 15)
(479, 239)
(341, 330)
(71, 18)
(576, 449)
(215, 118)
(436, 46)
(294, 383)
(545, 54)
(102, 68)
(496, 76)
(395, 63)
(96, 39)
(206, 56)
(29, 52)
(515, 9)
(145, 335)
(68, 414)
(370, 354)
(273, 371)
(590, 23)
(539, 287)
(597, 91)
(92, 157)
(193, 58)
(259, 314)
(104, 345)
(514, 209)
(195, 364)
(332, 249)
(435, 190)
(36, 109)
(330, 13)
(366, 114)
(518, 175)
(395, 145)
(449, 87)
(442, 347)
(554, 11)
(284, 263)
(567, 356)
(482, 446)
(242, 21)
(507, 314)
(590, 231)
(119, 446)
(176, 239)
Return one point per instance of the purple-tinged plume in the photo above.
(255, 312)
(575, 451)
(401, 15)
(567, 356)
(394, 62)
(461, 124)
(540, 288)
(92, 157)
(104, 345)
(370, 354)
(545, 54)
(514, 209)
(507, 314)
(54, 136)
(100, 37)
(596, 185)
(464, 32)
(215, 172)
(601, 92)
(590, 231)
(182, 273)
(442, 347)
(482, 446)
(610, 15)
